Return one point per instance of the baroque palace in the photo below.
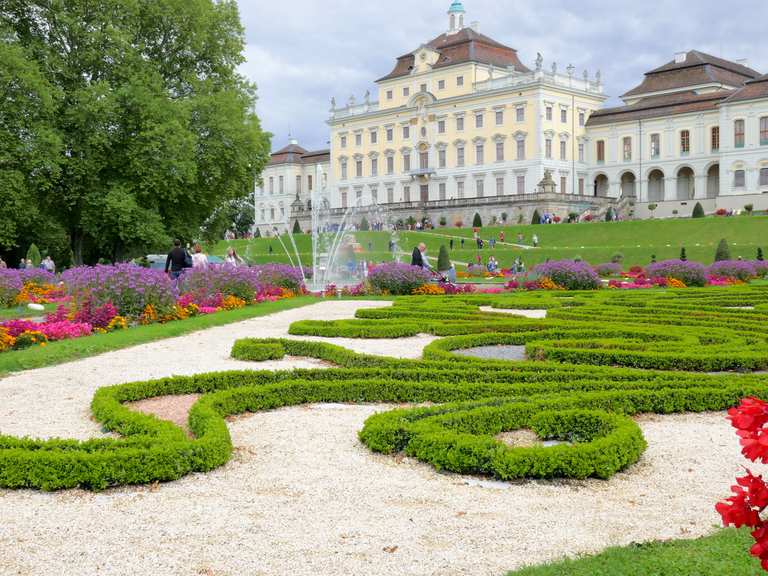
(462, 126)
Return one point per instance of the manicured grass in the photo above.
(723, 554)
(594, 242)
(68, 350)
(24, 312)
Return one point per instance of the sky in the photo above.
(300, 53)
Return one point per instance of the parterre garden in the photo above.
(599, 358)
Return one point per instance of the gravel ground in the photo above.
(302, 496)
(497, 352)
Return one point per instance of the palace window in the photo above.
(479, 153)
(343, 140)
(298, 184)
(374, 195)
(738, 133)
(582, 118)
(460, 156)
(499, 151)
(374, 137)
(521, 185)
(460, 188)
(627, 148)
(601, 151)
(564, 116)
(581, 152)
(685, 142)
(424, 160)
(271, 212)
(563, 184)
(480, 188)
(441, 161)
(763, 176)
(390, 195)
(406, 91)
(390, 164)
(441, 84)
(441, 126)
(563, 150)
(521, 149)
(460, 81)
(358, 139)
(479, 120)
(581, 186)
(309, 183)
(549, 112)
(764, 131)
(520, 114)
(500, 186)
(441, 189)
(344, 198)
(715, 138)
(655, 145)
(739, 179)
(499, 117)
(423, 87)
(407, 162)
(359, 193)
(406, 132)
(406, 193)
(390, 134)
(359, 168)
(281, 185)
(548, 148)
(390, 95)
(343, 169)
(460, 123)
(374, 167)
(271, 185)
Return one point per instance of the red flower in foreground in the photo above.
(751, 414)
(736, 510)
(757, 491)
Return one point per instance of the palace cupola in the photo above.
(456, 17)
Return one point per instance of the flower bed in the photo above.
(733, 270)
(690, 273)
(569, 274)
(397, 278)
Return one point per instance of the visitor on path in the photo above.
(478, 260)
(29, 265)
(3, 265)
(450, 243)
(199, 259)
(535, 241)
(520, 238)
(47, 264)
(462, 243)
(22, 264)
(177, 260)
(270, 249)
(419, 257)
(653, 258)
(234, 259)
(501, 236)
(370, 246)
(492, 243)
(492, 265)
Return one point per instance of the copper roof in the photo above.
(698, 68)
(757, 88)
(467, 45)
(295, 154)
(659, 106)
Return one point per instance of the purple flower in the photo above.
(691, 273)
(570, 274)
(397, 278)
(733, 269)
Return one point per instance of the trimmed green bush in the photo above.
(536, 218)
(698, 211)
(477, 222)
(33, 253)
(723, 252)
(443, 259)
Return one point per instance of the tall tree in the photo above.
(157, 126)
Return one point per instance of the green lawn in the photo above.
(726, 553)
(68, 350)
(24, 312)
(597, 242)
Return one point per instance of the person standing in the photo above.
(535, 241)
(419, 257)
(450, 243)
(3, 265)
(234, 259)
(176, 261)
(49, 264)
(462, 243)
(22, 264)
(501, 236)
(199, 259)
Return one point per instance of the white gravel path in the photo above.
(302, 496)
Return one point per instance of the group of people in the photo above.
(46, 263)
(179, 259)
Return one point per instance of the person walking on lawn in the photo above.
(177, 260)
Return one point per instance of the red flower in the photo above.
(736, 510)
(757, 491)
(751, 414)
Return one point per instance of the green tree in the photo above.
(157, 124)
(443, 259)
(477, 222)
(723, 252)
(683, 255)
(258, 233)
(759, 254)
(364, 225)
(609, 215)
(296, 227)
(536, 218)
(33, 254)
(698, 211)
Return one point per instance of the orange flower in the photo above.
(428, 290)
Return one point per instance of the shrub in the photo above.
(296, 227)
(569, 274)
(617, 258)
(222, 280)
(128, 287)
(397, 278)
(748, 208)
(609, 215)
(761, 268)
(723, 252)
(691, 273)
(443, 221)
(760, 254)
(33, 253)
(733, 269)
(477, 222)
(698, 211)
(504, 217)
(443, 259)
(608, 269)
(364, 224)
(683, 255)
(536, 218)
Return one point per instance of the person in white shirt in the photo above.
(233, 259)
(199, 259)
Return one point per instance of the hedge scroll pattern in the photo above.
(581, 389)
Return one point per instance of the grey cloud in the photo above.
(300, 53)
